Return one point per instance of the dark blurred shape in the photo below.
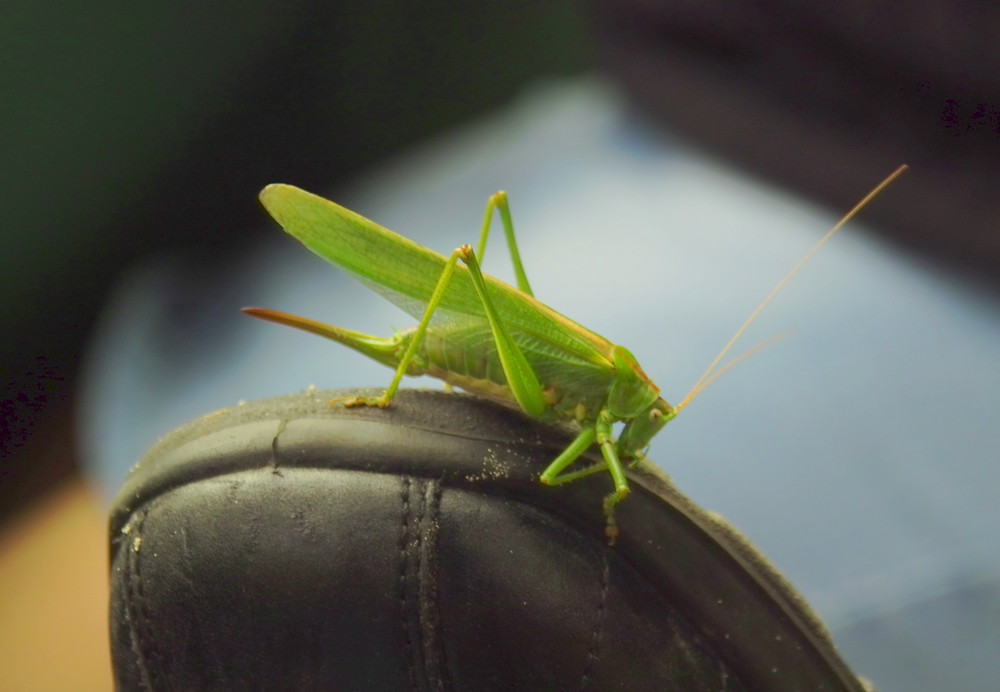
(149, 132)
(827, 98)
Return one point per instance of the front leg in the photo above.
(606, 441)
(601, 432)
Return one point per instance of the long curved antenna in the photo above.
(732, 363)
(710, 374)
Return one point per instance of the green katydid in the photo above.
(489, 338)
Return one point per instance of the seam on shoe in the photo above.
(417, 552)
(404, 532)
(429, 574)
(598, 631)
(142, 639)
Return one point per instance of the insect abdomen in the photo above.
(473, 367)
(471, 363)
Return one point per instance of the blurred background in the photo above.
(716, 142)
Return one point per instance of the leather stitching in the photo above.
(404, 531)
(147, 655)
(417, 546)
(430, 615)
(598, 631)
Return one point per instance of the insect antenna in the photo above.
(754, 350)
(712, 373)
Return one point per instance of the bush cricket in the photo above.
(489, 338)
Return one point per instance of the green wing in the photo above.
(406, 273)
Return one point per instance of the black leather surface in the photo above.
(291, 545)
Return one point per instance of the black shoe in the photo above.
(288, 544)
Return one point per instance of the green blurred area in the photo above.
(132, 131)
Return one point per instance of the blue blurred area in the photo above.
(860, 455)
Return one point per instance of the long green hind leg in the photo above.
(521, 377)
(498, 201)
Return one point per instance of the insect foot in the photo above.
(610, 502)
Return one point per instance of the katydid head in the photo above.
(638, 432)
(632, 391)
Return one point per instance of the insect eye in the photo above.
(655, 414)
